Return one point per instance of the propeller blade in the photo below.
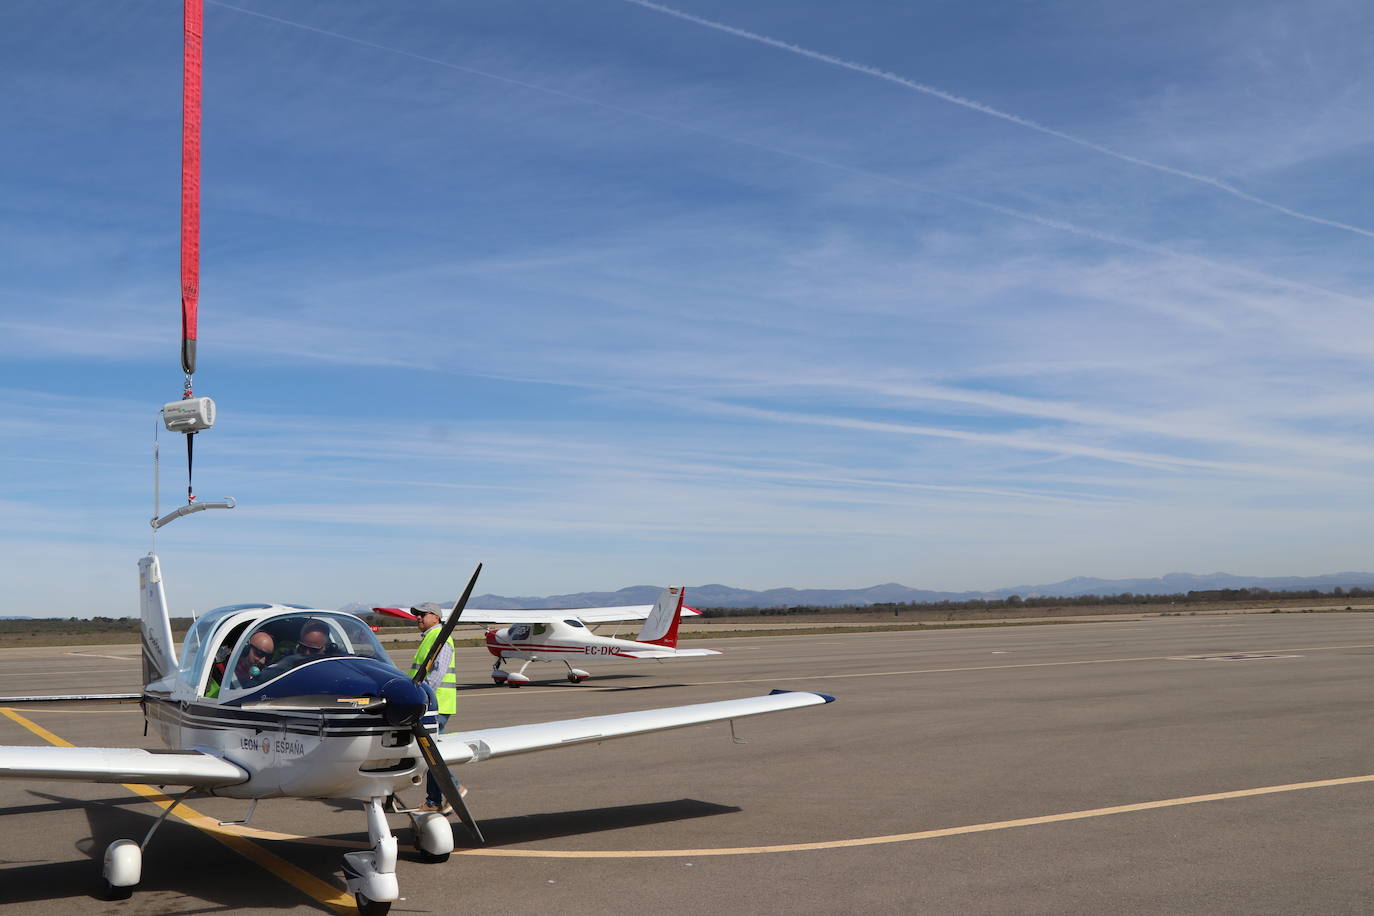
(422, 672)
(435, 761)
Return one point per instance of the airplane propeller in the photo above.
(434, 759)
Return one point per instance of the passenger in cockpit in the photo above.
(314, 641)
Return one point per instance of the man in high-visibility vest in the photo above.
(443, 680)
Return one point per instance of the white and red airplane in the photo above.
(563, 635)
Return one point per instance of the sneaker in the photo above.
(462, 791)
(431, 808)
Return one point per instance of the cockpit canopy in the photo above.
(237, 648)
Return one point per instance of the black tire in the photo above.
(371, 907)
(433, 858)
(117, 893)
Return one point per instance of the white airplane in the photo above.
(251, 708)
(535, 635)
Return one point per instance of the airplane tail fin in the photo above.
(159, 653)
(660, 627)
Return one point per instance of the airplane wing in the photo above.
(120, 764)
(584, 614)
(546, 615)
(481, 744)
(668, 653)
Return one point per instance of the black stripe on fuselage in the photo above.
(326, 723)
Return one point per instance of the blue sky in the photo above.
(604, 293)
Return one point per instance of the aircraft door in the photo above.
(219, 664)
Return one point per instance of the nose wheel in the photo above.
(371, 907)
(515, 678)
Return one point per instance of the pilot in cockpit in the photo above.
(254, 658)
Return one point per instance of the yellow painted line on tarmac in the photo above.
(237, 837)
(130, 706)
(37, 729)
(322, 891)
(920, 835)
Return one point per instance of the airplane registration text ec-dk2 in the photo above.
(250, 709)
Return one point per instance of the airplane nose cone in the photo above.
(406, 702)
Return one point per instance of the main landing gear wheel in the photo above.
(371, 907)
(122, 869)
(433, 836)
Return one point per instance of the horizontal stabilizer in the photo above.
(465, 747)
(668, 653)
(120, 764)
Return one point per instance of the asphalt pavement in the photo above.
(1199, 765)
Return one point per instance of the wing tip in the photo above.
(824, 696)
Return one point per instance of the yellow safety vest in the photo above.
(447, 694)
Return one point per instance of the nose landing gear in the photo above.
(371, 875)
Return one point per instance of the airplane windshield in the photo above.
(195, 645)
(574, 623)
(280, 644)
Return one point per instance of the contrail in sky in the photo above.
(1022, 215)
(994, 112)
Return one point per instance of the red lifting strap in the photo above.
(190, 182)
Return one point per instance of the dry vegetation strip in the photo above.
(722, 624)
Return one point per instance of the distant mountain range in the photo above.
(727, 596)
